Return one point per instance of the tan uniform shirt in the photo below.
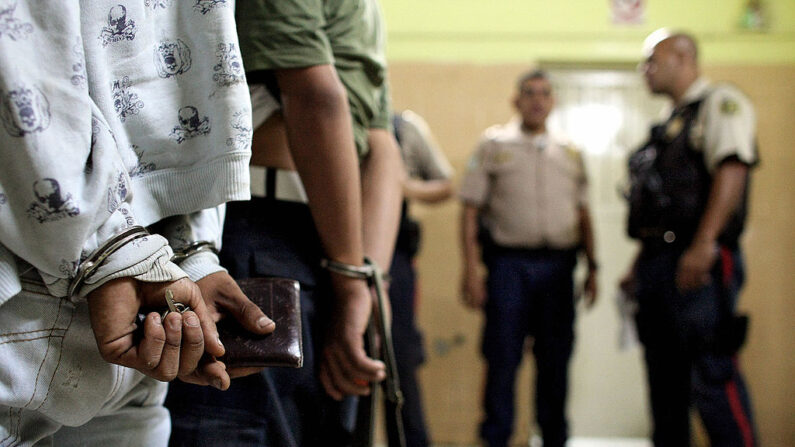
(529, 188)
(725, 125)
(421, 155)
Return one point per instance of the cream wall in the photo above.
(505, 31)
(608, 390)
(455, 61)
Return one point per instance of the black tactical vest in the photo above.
(670, 185)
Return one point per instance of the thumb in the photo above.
(236, 303)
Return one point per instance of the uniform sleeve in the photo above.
(64, 187)
(729, 128)
(475, 184)
(181, 231)
(432, 164)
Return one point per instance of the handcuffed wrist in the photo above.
(186, 251)
(350, 270)
(98, 257)
(201, 264)
(368, 271)
(146, 259)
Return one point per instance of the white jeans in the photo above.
(55, 389)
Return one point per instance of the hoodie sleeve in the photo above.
(202, 226)
(64, 189)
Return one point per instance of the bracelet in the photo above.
(98, 256)
(183, 253)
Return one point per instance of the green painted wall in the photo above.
(505, 31)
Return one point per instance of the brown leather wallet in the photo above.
(279, 298)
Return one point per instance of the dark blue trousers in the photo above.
(409, 353)
(279, 407)
(530, 293)
(679, 333)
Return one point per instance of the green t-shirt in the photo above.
(278, 34)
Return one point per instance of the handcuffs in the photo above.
(173, 306)
(90, 265)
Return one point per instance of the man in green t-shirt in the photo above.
(317, 75)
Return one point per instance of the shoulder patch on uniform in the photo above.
(729, 106)
(674, 127)
(500, 157)
(572, 152)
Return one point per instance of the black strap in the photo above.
(364, 431)
(393, 397)
(270, 183)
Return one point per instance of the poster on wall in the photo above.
(628, 11)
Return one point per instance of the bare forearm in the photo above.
(427, 191)
(469, 238)
(728, 186)
(321, 143)
(382, 175)
(586, 231)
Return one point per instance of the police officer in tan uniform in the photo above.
(687, 209)
(525, 213)
(428, 181)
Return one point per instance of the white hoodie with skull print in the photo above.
(116, 113)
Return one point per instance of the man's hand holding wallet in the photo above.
(258, 319)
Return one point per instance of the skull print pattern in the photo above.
(205, 6)
(24, 111)
(51, 204)
(172, 57)
(190, 125)
(119, 26)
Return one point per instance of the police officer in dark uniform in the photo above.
(688, 190)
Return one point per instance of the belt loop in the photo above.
(270, 183)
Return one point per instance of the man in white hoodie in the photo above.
(116, 116)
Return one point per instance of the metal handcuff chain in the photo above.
(393, 392)
(95, 260)
(196, 247)
(379, 325)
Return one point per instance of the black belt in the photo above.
(278, 184)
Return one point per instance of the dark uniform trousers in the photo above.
(279, 407)
(530, 293)
(678, 332)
